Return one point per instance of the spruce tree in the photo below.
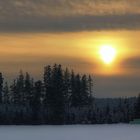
(47, 85)
(1, 86)
(137, 108)
(14, 93)
(90, 85)
(72, 88)
(47, 101)
(67, 87)
(84, 91)
(76, 98)
(20, 88)
(58, 95)
(90, 92)
(6, 98)
(36, 101)
(28, 89)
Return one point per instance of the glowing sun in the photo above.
(107, 53)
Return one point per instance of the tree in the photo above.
(108, 114)
(48, 93)
(58, 95)
(72, 88)
(36, 102)
(137, 108)
(66, 86)
(1, 86)
(76, 90)
(6, 98)
(28, 89)
(47, 85)
(14, 93)
(54, 94)
(84, 91)
(20, 88)
(90, 84)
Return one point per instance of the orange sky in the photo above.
(34, 33)
(28, 50)
(79, 51)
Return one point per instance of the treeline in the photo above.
(48, 101)
(62, 97)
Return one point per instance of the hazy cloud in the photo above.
(68, 15)
(67, 7)
(78, 23)
(117, 86)
(133, 63)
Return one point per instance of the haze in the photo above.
(36, 33)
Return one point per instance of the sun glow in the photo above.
(107, 53)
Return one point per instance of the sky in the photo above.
(34, 33)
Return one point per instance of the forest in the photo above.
(61, 97)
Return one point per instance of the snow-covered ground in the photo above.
(74, 132)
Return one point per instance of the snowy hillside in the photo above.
(74, 132)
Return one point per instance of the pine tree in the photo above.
(20, 88)
(126, 111)
(14, 93)
(28, 89)
(67, 86)
(90, 85)
(58, 95)
(76, 100)
(90, 91)
(137, 108)
(1, 86)
(72, 88)
(47, 85)
(6, 98)
(54, 97)
(47, 101)
(108, 114)
(36, 101)
(84, 91)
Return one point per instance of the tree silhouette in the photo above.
(6, 98)
(1, 86)
(63, 97)
(137, 108)
(36, 102)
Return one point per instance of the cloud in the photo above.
(133, 63)
(79, 23)
(67, 7)
(68, 15)
(117, 86)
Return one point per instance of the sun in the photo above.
(107, 53)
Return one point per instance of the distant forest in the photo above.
(62, 97)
